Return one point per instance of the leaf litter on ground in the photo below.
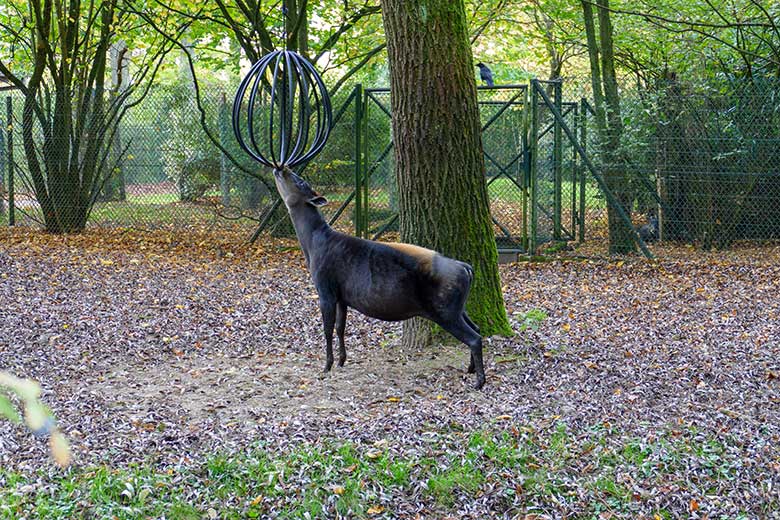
(167, 347)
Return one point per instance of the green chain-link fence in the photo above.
(698, 164)
(504, 118)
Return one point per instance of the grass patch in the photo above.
(555, 468)
(460, 478)
(161, 209)
(505, 190)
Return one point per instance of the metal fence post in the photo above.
(583, 143)
(533, 148)
(611, 199)
(10, 142)
(557, 163)
(574, 175)
(526, 182)
(365, 174)
(358, 127)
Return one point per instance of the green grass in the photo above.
(521, 465)
(160, 209)
(459, 478)
(129, 214)
(506, 190)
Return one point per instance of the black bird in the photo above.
(649, 232)
(485, 74)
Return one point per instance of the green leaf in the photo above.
(8, 411)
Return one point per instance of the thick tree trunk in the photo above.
(438, 150)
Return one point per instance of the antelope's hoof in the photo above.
(342, 361)
(480, 383)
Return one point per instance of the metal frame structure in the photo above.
(6, 86)
(521, 236)
(537, 90)
(297, 99)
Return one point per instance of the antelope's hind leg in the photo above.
(461, 330)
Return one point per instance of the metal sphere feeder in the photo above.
(282, 112)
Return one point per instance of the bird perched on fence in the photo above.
(485, 74)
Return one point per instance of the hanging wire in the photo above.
(284, 25)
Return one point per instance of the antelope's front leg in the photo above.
(341, 324)
(328, 311)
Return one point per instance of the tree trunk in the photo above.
(114, 185)
(440, 169)
(609, 124)
(547, 25)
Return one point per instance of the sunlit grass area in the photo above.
(523, 469)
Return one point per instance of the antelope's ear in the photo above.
(318, 201)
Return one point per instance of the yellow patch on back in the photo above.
(424, 256)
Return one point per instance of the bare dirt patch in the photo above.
(244, 389)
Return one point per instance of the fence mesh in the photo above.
(504, 142)
(714, 157)
(380, 193)
(555, 167)
(162, 169)
(504, 129)
(693, 164)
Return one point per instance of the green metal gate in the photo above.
(532, 172)
(555, 182)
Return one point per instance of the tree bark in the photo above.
(114, 185)
(609, 123)
(440, 168)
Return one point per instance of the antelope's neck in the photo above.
(309, 225)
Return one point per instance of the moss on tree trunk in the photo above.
(440, 169)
